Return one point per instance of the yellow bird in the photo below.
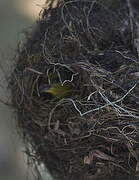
(57, 90)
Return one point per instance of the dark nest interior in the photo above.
(75, 89)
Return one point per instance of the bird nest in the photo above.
(93, 131)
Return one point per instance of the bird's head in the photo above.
(59, 85)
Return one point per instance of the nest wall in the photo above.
(93, 132)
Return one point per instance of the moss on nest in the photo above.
(93, 132)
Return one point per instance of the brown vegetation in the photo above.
(92, 133)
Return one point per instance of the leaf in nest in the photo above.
(102, 155)
(98, 154)
(88, 159)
